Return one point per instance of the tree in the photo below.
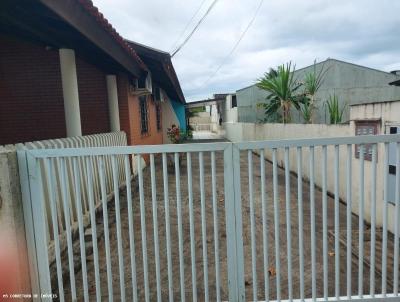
(281, 86)
(312, 82)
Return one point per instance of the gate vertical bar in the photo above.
(277, 223)
(252, 224)
(288, 224)
(361, 225)
(131, 227)
(385, 217)
(373, 222)
(325, 219)
(180, 231)
(191, 221)
(143, 228)
(348, 218)
(216, 232)
(203, 225)
(312, 213)
(38, 211)
(301, 218)
(337, 220)
(167, 227)
(234, 254)
(155, 225)
(265, 225)
(396, 224)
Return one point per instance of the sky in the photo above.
(365, 32)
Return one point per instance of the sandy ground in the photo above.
(199, 264)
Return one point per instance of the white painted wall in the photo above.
(252, 132)
(168, 118)
(231, 114)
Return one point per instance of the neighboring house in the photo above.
(220, 108)
(65, 71)
(351, 83)
(167, 93)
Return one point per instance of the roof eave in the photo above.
(86, 19)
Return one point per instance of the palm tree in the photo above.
(281, 87)
(312, 82)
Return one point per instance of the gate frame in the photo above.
(32, 188)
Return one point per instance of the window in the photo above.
(366, 128)
(158, 116)
(234, 101)
(144, 118)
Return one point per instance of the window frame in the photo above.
(144, 115)
(158, 116)
(233, 104)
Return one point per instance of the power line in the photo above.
(236, 44)
(195, 28)
(187, 24)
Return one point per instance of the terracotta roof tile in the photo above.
(94, 11)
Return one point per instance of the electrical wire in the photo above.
(187, 24)
(195, 28)
(235, 45)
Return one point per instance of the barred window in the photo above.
(144, 118)
(158, 116)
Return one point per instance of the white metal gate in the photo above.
(217, 232)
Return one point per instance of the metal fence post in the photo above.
(234, 224)
(28, 218)
(39, 221)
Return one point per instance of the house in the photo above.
(66, 72)
(222, 107)
(167, 92)
(351, 83)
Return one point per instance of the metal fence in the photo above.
(272, 236)
(53, 192)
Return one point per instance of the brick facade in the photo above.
(31, 99)
(93, 100)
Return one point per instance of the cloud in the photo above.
(360, 31)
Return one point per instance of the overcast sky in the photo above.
(359, 31)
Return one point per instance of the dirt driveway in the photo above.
(221, 237)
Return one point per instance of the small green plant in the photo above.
(306, 110)
(311, 83)
(334, 110)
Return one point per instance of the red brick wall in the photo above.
(93, 101)
(31, 101)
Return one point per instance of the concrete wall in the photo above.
(14, 269)
(353, 84)
(253, 132)
(230, 114)
(168, 119)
